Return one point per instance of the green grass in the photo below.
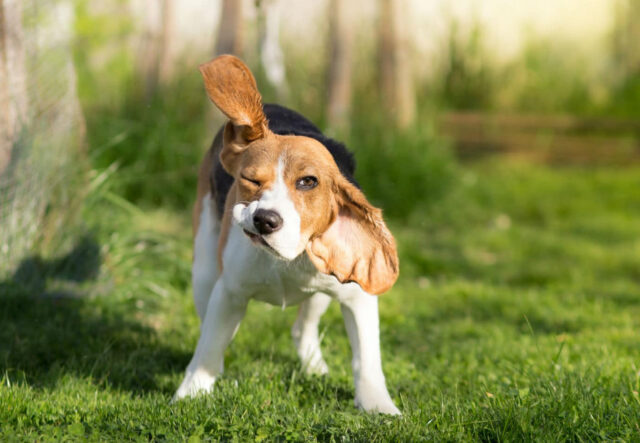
(516, 317)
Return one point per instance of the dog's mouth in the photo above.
(258, 240)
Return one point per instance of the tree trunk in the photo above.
(45, 181)
(155, 61)
(271, 54)
(396, 82)
(166, 62)
(229, 39)
(63, 125)
(13, 80)
(340, 65)
(633, 37)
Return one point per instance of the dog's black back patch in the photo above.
(283, 121)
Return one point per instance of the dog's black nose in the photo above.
(267, 221)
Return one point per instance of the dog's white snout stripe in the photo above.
(286, 240)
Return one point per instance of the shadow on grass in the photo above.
(52, 329)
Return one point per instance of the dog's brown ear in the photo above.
(357, 246)
(232, 87)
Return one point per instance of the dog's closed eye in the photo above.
(251, 181)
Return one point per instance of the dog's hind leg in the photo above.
(204, 271)
(305, 333)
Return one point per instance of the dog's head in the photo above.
(291, 196)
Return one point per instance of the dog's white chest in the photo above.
(254, 273)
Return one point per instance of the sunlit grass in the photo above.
(515, 318)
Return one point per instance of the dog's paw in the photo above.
(194, 383)
(376, 400)
(316, 367)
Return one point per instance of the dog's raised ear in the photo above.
(357, 246)
(232, 87)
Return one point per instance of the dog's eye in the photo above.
(253, 182)
(306, 183)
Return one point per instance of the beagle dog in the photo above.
(279, 218)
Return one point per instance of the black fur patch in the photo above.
(283, 121)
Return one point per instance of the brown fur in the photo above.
(204, 186)
(346, 236)
(231, 86)
(357, 246)
(226, 224)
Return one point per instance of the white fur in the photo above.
(287, 240)
(252, 272)
(305, 333)
(360, 313)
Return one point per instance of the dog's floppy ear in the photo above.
(232, 87)
(357, 246)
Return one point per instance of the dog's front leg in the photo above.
(360, 312)
(305, 333)
(223, 316)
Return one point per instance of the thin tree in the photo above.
(155, 61)
(13, 79)
(230, 38)
(626, 37)
(396, 82)
(271, 54)
(166, 63)
(340, 65)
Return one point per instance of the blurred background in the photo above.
(412, 86)
(501, 139)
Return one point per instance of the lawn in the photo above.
(516, 317)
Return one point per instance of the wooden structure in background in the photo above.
(545, 139)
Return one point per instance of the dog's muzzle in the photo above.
(267, 221)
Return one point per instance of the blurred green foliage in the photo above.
(156, 146)
(403, 171)
(467, 79)
(104, 59)
(156, 143)
(548, 76)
